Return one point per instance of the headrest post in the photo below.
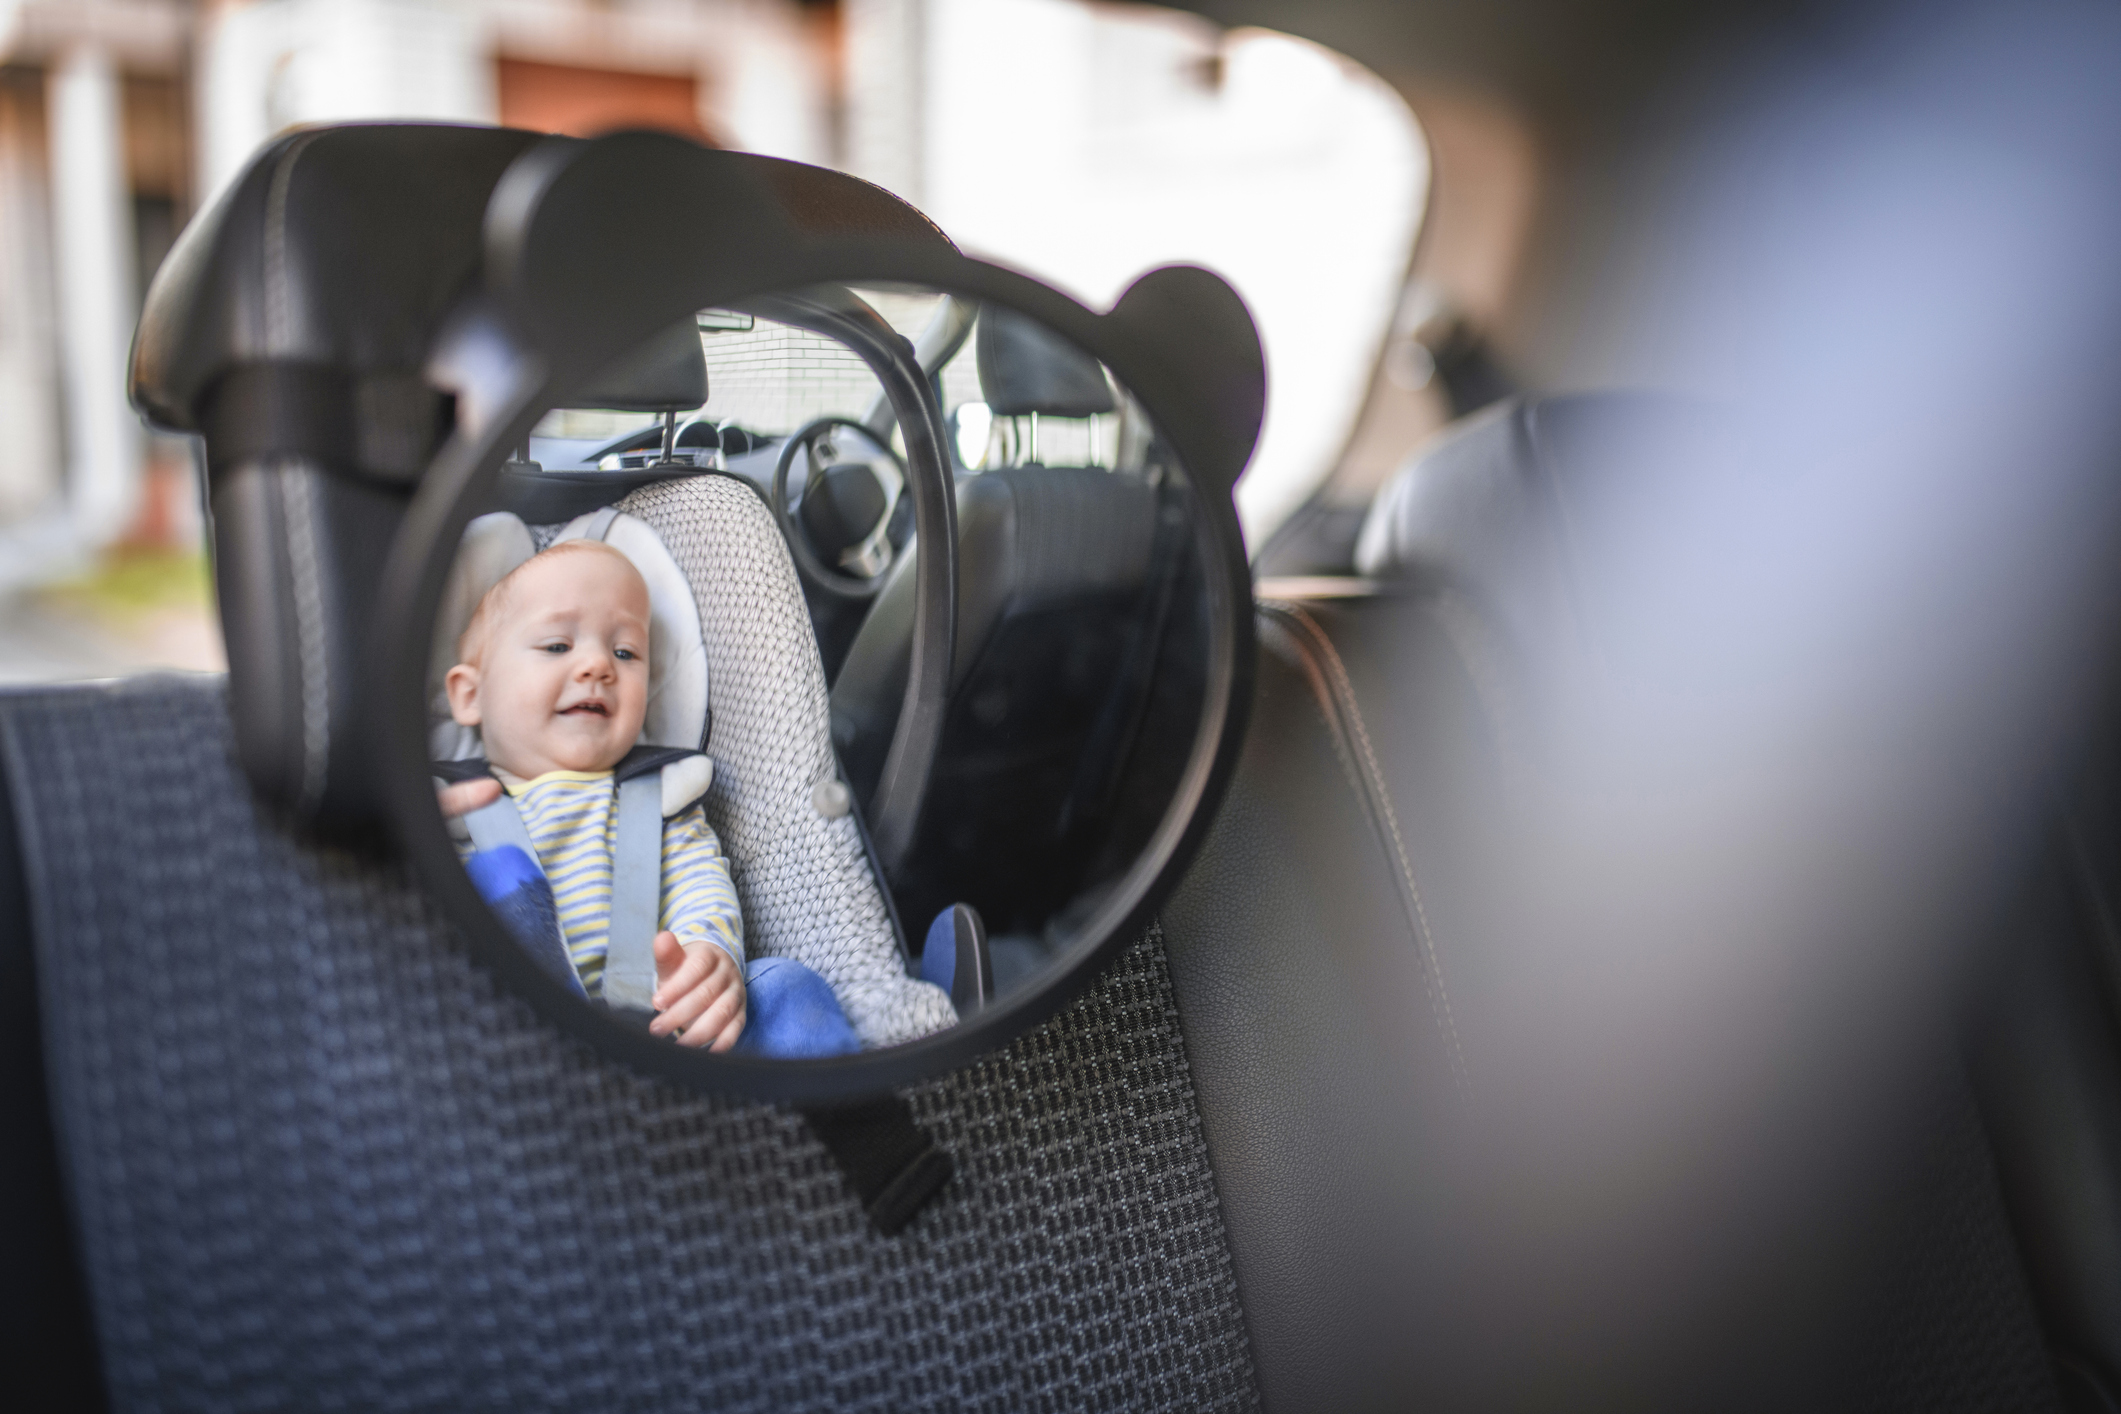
(670, 435)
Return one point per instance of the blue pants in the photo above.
(792, 1013)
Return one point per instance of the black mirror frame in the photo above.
(567, 290)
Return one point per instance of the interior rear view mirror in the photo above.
(810, 657)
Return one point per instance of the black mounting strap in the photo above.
(379, 425)
(891, 1162)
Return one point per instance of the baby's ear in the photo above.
(462, 684)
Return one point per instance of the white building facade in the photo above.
(1084, 143)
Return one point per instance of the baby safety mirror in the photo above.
(809, 660)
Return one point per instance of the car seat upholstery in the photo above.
(312, 1149)
(803, 875)
(1341, 1001)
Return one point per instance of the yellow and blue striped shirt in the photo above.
(572, 817)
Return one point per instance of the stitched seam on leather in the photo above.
(296, 512)
(1343, 691)
(300, 524)
(1328, 708)
(279, 314)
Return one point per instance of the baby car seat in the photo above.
(734, 670)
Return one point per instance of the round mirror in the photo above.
(813, 694)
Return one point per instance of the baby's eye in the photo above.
(559, 647)
(625, 655)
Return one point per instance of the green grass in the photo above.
(131, 583)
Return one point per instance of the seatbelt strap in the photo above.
(636, 895)
(501, 823)
(636, 882)
(600, 522)
(892, 1164)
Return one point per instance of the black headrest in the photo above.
(330, 260)
(1025, 368)
(667, 374)
(291, 327)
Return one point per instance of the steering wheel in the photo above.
(874, 544)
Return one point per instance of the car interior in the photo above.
(288, 1130)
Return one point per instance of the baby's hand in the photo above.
(467, 796)
(699, 991)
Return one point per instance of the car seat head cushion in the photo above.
(666, 374)
(677, 658)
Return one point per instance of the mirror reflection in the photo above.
(670, 668)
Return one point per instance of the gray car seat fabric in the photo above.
(318, 1158)
(802, 876)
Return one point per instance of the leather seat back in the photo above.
(1420, 1211)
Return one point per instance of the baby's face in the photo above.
(561, 680)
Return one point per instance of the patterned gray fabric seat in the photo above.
(317, 1158)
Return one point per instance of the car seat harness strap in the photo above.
(636, 896)
(493, 826)
(498, 834)
(629, 980)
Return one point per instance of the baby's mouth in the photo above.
(597, 709)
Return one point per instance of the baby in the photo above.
(553, 672)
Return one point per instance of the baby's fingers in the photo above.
(732, 1031)
(688, 999)
(726, 1015)
(689, 974)
(672, 1019)
(467, 796)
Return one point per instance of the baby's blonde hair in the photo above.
(471, 643)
